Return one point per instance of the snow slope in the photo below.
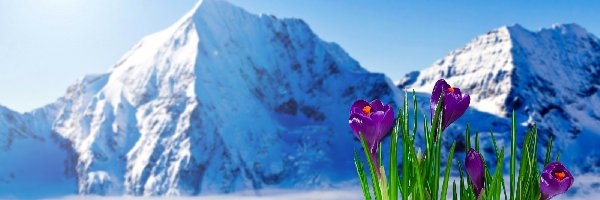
(34, 158)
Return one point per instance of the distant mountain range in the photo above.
(548, 77)
(224, 100)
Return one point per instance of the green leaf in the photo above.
(394, 163)
(487, 174)
(513, 156)
(548, 150)
(477, 141)
(494, 142)
(405, 158)
(438, 108)
(374, 177)
(436, 168)
(534, 189)
(383, 185)
(447, 173)
(454, 190)
(498, 180)
(379, 160)
(524, 168)
(399, 185)
(419, 183)
(415, 114)
(468, 138)
(362, 176)
(428, 154)
(463, 192)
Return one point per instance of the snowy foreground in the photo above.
(275, 194)
(585, 187)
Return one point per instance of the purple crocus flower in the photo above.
(373, 120)
(555, 180)
(454, 104)
(474, 166)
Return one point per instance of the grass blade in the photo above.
(415, 114)
(362, 176)
(454, 190)
(380, 161)
(513, 156)
(548, 150)
(494, 142)
(463, 192)
(447, 173)
(419, 183)
(436, 116)
(477, 140)
(374, 177)
(394, 163)
(523, 169)
(498, 179)
(468, 137)
(436, 167)
(383, 185)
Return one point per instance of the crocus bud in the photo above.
(474, 166)
(454, 104)
(555, 180)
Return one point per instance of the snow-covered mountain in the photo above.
(221, 101)
(549, 77)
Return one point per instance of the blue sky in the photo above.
(45, 46)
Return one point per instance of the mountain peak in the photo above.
(519, 33)
(565, 28)
(569, 28)
(514, 28)
(512, 68)
(216, 8)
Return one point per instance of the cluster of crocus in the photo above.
(370, 122)
(554, 180)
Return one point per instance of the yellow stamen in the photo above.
(559, 175)
(367, 110)
(451, 89)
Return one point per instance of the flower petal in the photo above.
(474, 168)
(455, 106)
(380, 128)
(358, 106)
(439, 86)
(388, 121)
(376, 105)
(457, 91)
(365, 125)
(550, 186)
